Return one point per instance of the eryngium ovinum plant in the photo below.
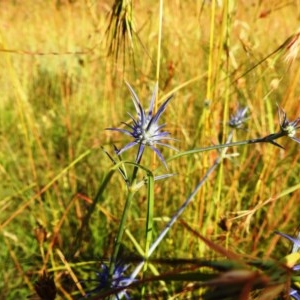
(229, 278)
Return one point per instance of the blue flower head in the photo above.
(145, 130)
(237, 120)
(104, 281)
(288, 127)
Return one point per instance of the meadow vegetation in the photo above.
(62, 190)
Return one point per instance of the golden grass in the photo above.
(59, 90)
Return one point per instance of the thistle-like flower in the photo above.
(145, 130)
(237, 120)
(288, 127)
(105, 282)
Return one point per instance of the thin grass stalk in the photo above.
(17, 264)
(44, 189)
(159, 39)
(227, 50)
(150, 214)
(70, 271)
(158, 59)
(56, 231)
(278, 51)
(203, 128)
(211, 63)
(211, 51)
(225, 32)
(22, 106)
(292, 87)
(91, 209)
(149, 223)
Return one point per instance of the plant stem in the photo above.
(120, 232)
(267, 139)
(131, 192)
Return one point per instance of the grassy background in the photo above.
(60, 89)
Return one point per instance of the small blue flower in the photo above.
(145, 130)
(105, 282)
(237, 120)
(288, 127)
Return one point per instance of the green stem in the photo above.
(121, 230)
(267, 139)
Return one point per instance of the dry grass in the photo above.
(59, 90)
